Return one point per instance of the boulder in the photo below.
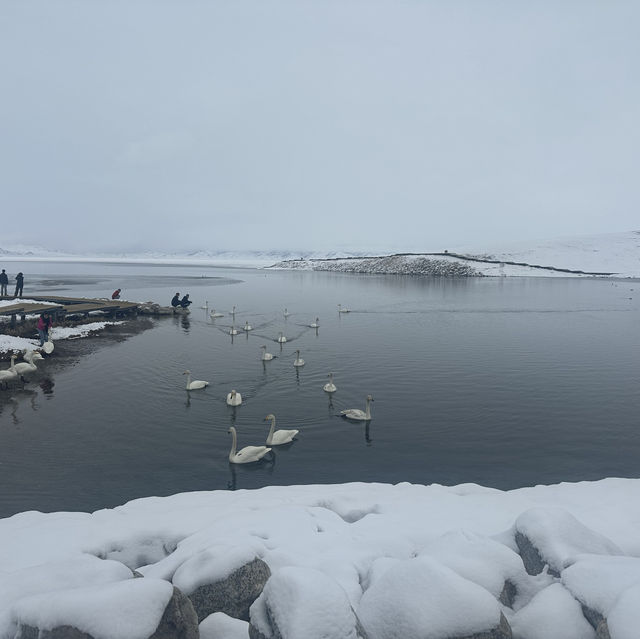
(304, 603)
(179, 620)
(234, 594)
(554, 537)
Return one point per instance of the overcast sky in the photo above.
(412, 125)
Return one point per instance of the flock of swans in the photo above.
(16, 371)
(250, 454)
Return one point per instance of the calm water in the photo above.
(503, 382)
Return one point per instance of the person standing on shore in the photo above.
(4, 282)
(19, 284)
(44, 324)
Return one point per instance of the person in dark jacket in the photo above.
(4, 282)
(175, 300)
(185, 301)
(19, 284)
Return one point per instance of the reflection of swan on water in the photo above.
(234, 398)
(278, 437)
(215, 313)
(28, 366)
(265, 357)
(330, 387)
(298, 361)
(281, 338)
(247, 454)
(315, 324)
(247, 326)
(196, 383)
(357, 414)
(343, 310)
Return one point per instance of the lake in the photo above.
(505, 382)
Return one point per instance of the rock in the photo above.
(602, 631)
(554, 537)
(303, 603)
(501, 631)
(179, 621)
(508, 594)
(233, 595)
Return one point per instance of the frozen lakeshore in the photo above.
(332, 561)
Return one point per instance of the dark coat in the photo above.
(175, 300)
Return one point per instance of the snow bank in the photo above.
(342, 557)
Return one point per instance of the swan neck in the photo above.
(273, 425)
(234, 442)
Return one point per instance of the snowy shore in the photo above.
(334, 562)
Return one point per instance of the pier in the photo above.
(62, 307)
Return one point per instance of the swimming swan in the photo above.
(266, 357)
(281, 338)
(10, 373)
(286, 313)
(343, 310)
(214, 313)
(234, 399)
(28, 366)
(330, 387)
(315, 324)
(196, 383)
(233, 330)
(298, 360)
(247, 327)
(357, 414)
(279, 436)
(247, 454)
(233, 311)
(206, 304)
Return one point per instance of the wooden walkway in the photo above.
(62, 307)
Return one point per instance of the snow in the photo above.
(10, 343)
(219, 625)
(378, 550)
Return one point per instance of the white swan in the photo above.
(315, 324)
(330, 387)
(233, 330)
(234, 398)
(196, 383)
(247, 327)
(233, 311)
(266, 357)
(206, 304)
(247, 454)
(286, 313)
(357, 414)
(343, 310)
(28, 366)
(279, 436)
(214, 313)
(9, 374)
(281, 338)
(298, 361)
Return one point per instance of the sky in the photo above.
(335, 124)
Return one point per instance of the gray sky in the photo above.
(404, 125)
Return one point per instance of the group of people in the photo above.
(184, 302)
(4, 283)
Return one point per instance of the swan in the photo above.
(214, 313)
(233, 331)
(196, 383)
(10, 373)
(247, 454)
(28, 366)
(247, 326)
(206, 304)
(357, 414)
(234, 398)
(343, 310)
(280, 436)
(266, 357)
(315, 324)
(298, 360)
(281, 338)
(286, 313)
(233, 311)
(330, 387)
